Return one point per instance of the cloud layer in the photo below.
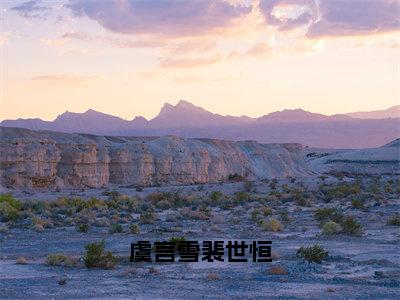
(330, 18)
(162, 17)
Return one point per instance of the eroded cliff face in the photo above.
(44, 159)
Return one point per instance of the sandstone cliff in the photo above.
(45, 159)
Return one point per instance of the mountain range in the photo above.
(352, 130)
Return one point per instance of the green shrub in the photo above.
(324, 215)
(394, 220)
(147, 217)
(177, 240)
(331, 228)
(83, 227)
(8, 198)
(97, 257)
(134, 228)
(351, 226)
(313, 253)
(357, 203)
(60, 259)
(116, 228)
(216, 197)
(272, 225)
(7, 212)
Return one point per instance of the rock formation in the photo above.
(46, 159)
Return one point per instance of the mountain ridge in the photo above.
(187, 120)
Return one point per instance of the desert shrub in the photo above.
(60, 259)
(177, 240)
(327, 214)
(357, 203)
(97, 257)
(331, 228)
(195, 214)
(278, 270)
(166, 200)
(8, 198)
(341, 190)
(7, 212)
(147, 217)
(266, 211)
(249, 187)
(394, 220)
(134, 228)
(284, 215)
(315, 253)
(241, 197)
(351, 226)
(113, 193)
(116, 228)
(272, 225)
(82, 227)
(216, 197)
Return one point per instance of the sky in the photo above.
(233, 57)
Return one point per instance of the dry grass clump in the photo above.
(212, 276)
(193, 214)
(272, 225)
(22, 260)
(278, 270)
(60, 259)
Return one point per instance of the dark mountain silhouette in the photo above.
(187, 120)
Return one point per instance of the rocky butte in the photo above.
(47, 159)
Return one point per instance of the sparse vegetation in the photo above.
(272, 225)
(351, 226)
(134, 229)
(116, 228)
(313, 253)
(147, 217)
(394, 220)
(331, 228)
(83, 228)
(97, 257)
(60, 259)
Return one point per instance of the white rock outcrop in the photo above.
(46, 159)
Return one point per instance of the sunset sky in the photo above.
(129, 57)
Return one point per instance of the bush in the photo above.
(7, 212)
(331, 228)
(357, 203)
(116, 228)
(147, 217)
(351, 226)
(177, 240)
(60, 259)
(216, 197)
(8, 198)
(324, 215)
(134, 228)
(313, 253)
(83, 228)
(394, 220)
(272, 225)
(96, 257)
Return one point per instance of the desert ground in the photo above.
(361, 238)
